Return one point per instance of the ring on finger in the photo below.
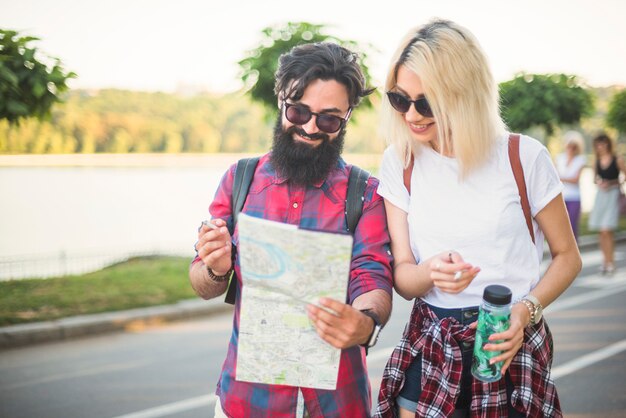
(457, 275)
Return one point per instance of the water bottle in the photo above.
(493, 317)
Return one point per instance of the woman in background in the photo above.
(605, 213)
(570, 164)
(460, 228)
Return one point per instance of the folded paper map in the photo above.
(283, 269)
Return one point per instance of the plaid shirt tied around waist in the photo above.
(438, 341)
(319, 207)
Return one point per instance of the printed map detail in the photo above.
(284, 268)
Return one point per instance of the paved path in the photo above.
(170, 369)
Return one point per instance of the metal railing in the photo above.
(73, 263)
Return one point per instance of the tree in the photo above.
(28, 86)
(258, 68)
(545, 100)
(616, 118)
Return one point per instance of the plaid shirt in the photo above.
(319, 207)
(438, 341)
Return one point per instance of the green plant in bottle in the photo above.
(493, 317)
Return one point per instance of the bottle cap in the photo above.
(497, 294)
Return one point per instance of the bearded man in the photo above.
(303, 181)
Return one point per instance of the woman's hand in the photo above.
(449, 273)
(512, 338)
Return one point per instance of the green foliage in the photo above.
(544, 100)
(258, 68)
(28, 86)
(616, 117)
(118, 121)
(136, 283)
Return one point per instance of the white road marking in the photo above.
(577, 300)
(588, 359)
(207, 401)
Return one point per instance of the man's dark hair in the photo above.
(325, 61)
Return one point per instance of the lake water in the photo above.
(79, 218)
(71, 219)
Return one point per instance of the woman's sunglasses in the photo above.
(301, 115)
(402, 104)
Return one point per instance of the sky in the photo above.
(169, 45)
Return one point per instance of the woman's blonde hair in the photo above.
(576, 138)
(459, 87)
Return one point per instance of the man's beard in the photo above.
(301, 163)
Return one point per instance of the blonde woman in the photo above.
(460, 228)
(570, 164)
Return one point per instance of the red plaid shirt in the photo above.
(319, 207)
(438, 341)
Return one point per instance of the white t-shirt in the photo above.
(481, 216)
(570, 191)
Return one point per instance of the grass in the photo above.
(139, 282)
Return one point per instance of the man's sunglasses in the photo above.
(301, 115)
(402, 104)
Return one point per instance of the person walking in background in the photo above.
(303, 181)
(604, 215)
(570, 164)
(457, 226)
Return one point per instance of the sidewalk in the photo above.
(77, 326)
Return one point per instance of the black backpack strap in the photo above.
(357, 182)
(243, 178)
(241, 185)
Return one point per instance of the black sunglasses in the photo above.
(402, 104)
(301, 115)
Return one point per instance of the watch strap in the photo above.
(535, 308)
(373, 337)
(533, 299)
(531, 311)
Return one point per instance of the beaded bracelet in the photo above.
(219, 279)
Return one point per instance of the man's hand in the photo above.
(214, 246)
(343, 328)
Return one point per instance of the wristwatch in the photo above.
(534, 308)
(373, 338)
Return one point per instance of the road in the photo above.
(171, 369)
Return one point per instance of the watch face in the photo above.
(374, 337)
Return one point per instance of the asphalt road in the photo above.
(171, 369)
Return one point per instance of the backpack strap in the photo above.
(518, 173)
(243, 178)
(241, 185)
(357, 182)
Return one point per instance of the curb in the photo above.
(83, 325)
(77, 326)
